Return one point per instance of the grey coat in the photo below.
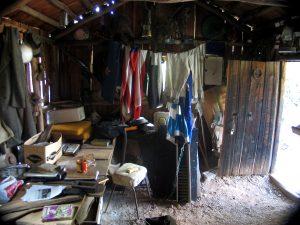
(15, 106)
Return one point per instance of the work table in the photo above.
(30, 213)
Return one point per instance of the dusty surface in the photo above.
(234, 201)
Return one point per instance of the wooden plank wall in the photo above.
(250, 117)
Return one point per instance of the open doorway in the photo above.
(286, 171)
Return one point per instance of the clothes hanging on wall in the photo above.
(179, 66)
(177, 74)
(180, 121)
(138, 79)
(134, 70)
(13, 80)
(112, 76)
(15, 104)
(126, 90)
(168, 86)
(196, 64)
(155, 79)
(186, 105)
(176, 124)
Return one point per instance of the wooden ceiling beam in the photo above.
(88, 20)
(64, 7)
(255, 13)
(276, 3)
(25, 28)
(13, 7)
(39, 15)
(163, 1)
(224, 15)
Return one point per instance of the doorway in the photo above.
(286, 171)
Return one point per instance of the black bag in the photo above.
(108, 129)
(162, 220)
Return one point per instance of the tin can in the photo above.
(84, 166)
(79, 165)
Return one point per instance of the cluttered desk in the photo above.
(58, 183)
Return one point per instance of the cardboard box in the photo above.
(65, 115)
(35, 155)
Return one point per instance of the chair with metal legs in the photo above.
(129, 175)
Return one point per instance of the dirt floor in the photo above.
(249, 200)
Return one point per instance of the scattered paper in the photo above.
(42, 192)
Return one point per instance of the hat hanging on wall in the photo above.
(27, 53)
(81, 34)
(34, 42)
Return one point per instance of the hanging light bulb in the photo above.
(112, 2)
(75, 21)
(81, 17)
(111, 12)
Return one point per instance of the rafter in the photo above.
(64, 7)
(88, 20)
(87, 4)
(255, 13)
(277, 3)
(39, 15)
(229, 18)
(26, 28)
(163, 1)
(14, 7)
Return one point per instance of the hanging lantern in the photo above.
(64, 19)
(147, 26)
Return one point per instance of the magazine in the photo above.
(57, 212)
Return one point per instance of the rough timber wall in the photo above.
(250, 117)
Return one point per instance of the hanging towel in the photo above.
(177, 74)
(134, 71)
(179, 66)
(126, 90)
(158, 62)
(196, 63)
(139, 77)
